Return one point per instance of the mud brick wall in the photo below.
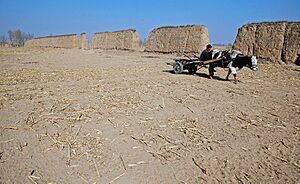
(179, 39)
(83, 41)
(60, 41)
(120, 40)
(272, 41)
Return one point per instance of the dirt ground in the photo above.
(93, 116)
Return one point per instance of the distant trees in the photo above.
(15, 38)
(3, 40)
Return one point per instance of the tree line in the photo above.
(15, 38)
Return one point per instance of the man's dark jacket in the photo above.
(206, 55)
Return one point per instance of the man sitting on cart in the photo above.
(207, 53)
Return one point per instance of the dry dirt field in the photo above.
(76, 116)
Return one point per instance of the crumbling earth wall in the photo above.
(272, 41)
(120, 40)
(178, 39)
(83, 41)
(60, 41)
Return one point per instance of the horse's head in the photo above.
(250, 61)
(253, 64)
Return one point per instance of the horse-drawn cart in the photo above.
(190, 64)
(232, 59)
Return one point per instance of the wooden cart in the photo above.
(190, 64)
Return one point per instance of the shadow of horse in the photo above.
(203, 75)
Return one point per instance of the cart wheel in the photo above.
(192, 70)
(178, 68)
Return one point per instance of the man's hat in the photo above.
(208, 46)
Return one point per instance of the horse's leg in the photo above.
(235, 80)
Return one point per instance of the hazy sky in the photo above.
(222, 17)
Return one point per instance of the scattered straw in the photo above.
(116, 178)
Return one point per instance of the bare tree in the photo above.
(10, 36)
(18, 38)
(3, 40)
